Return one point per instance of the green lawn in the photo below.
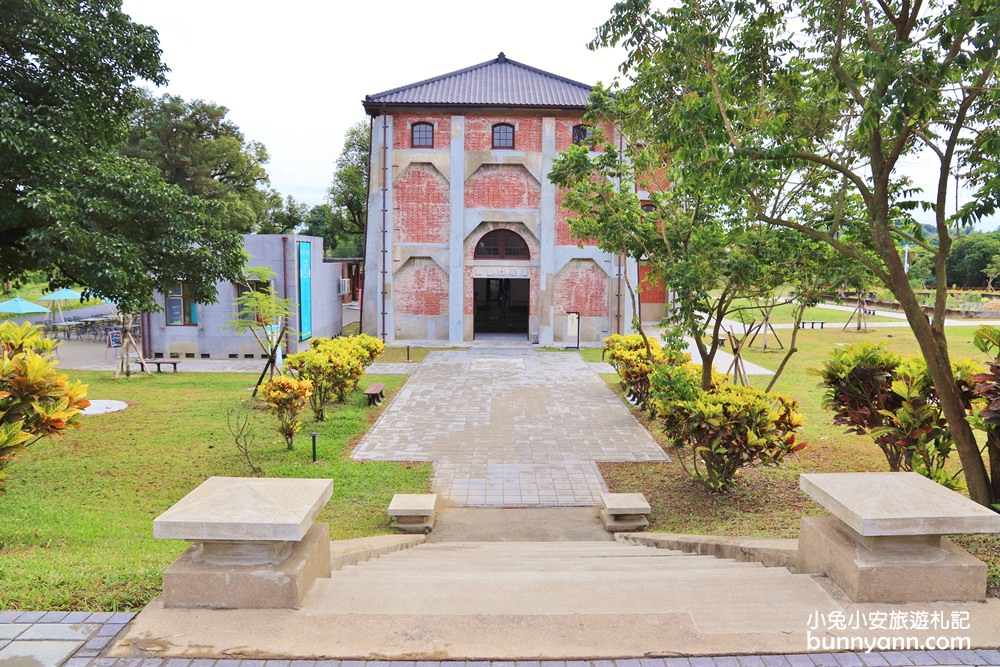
(782, 314)
(76, 523)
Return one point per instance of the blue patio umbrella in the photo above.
(59, 296)
(19, 306)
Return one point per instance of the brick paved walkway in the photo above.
(509, 427)
(77, 639)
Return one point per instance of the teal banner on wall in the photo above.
(305, 290)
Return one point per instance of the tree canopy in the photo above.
(349, 190)
(71, 204)
(195, 147)
(970, 256)
(799, 112)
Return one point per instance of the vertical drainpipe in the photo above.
(147, 344)
(364, 232)
(284, 280)
(622, 257)
(385, 190)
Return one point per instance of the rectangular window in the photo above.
(503, 136)
(256, 286)
(423, 135)
(181, 307)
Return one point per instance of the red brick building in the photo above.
(466, 235)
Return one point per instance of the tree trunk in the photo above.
(934, 348)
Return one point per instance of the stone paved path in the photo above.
(509, 427)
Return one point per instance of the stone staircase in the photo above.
(516, 600)
(463, 599)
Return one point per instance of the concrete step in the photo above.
(500, 563)
(466, 592)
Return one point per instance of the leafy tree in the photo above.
(992, 271)
(757, 103)
(711, 254)
(263, 313)
(281, 217)
(71, 205)
(196, 148)
(341, 223)
(327, 222)
(969, 258)
(349, 190)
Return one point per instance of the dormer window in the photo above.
(503, 136)
(582, 134)
(422, 135)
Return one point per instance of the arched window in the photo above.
(502, 244)
(503, 135)
(422, 135)
(582, 134)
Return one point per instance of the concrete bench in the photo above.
(413, 512)
(254, 543)
(375, 394)
(884, 541)
(624, 512)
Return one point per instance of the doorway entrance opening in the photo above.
(501, 305)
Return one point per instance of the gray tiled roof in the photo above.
(497, 82)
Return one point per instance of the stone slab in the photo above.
(897, 503)
(189, 583)
(37, 653)
(924, 574)
(61, 631)
(245, 509)
(625, 503)
(413, 504)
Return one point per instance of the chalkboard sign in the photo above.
(115, 338)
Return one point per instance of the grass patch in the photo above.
(393, 355)
(767, 501)
(76, 524)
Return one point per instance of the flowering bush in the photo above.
(287, 397)
(372, 346)
(628, 355)
(334, 366)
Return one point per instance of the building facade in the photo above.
(313, 285)
(466, 235)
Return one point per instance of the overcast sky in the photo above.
(293, 74)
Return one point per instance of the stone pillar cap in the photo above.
(897, 503)
(245, 509)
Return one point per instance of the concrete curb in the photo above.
(770, 552)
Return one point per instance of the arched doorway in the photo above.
(501, 301)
